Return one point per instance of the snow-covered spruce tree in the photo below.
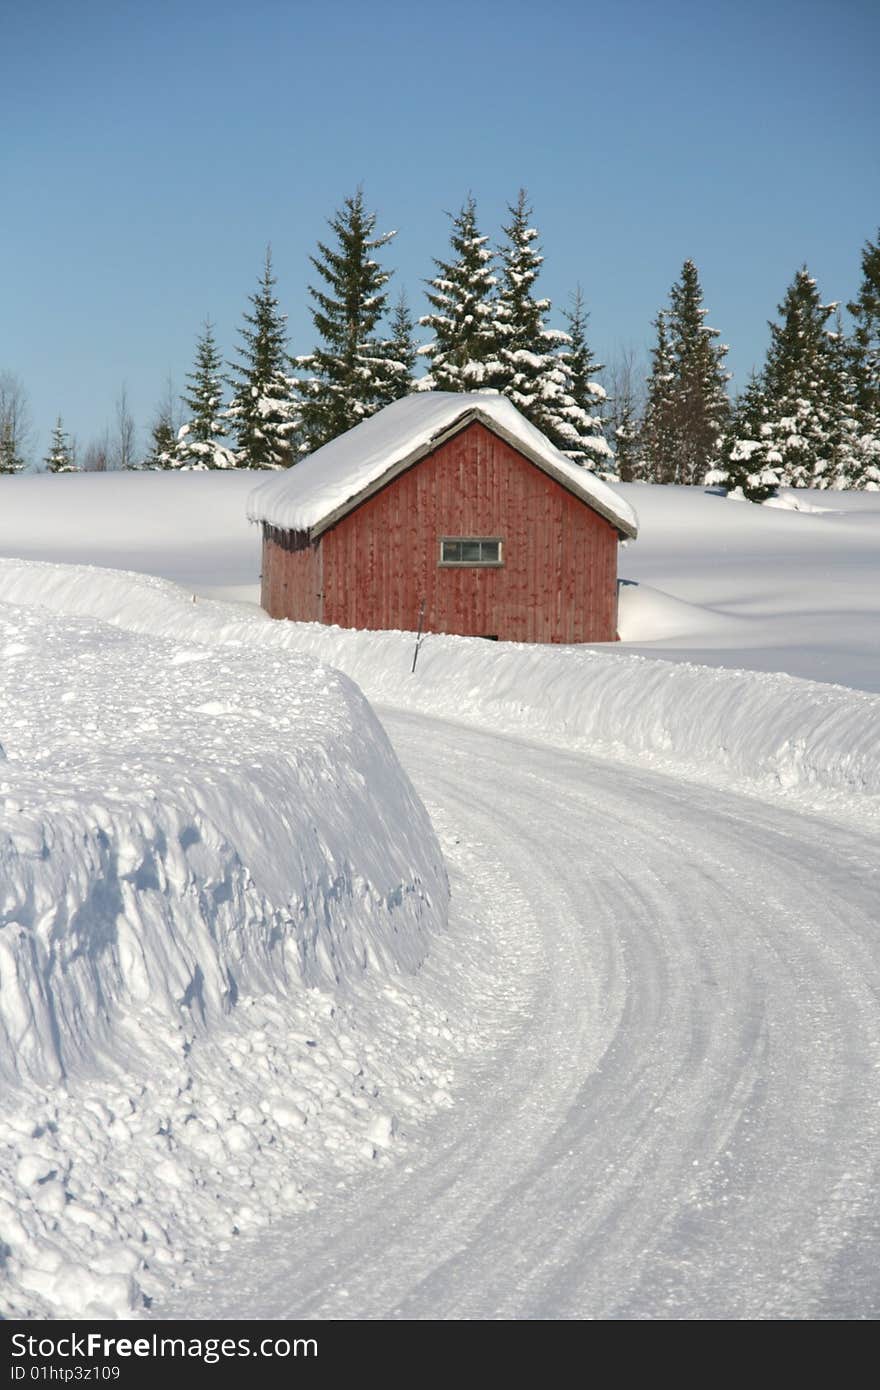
(750, 462)
(462, 317)
(403, 329)
(849, 462)
(355, 370)
(591, 449)
(11, 460)
(865, 365)
(199, 443)
(700, 404)
(658, 439)
(163, 432)
(163, 441)
(800, 387)
(688, 408)
(61, 457)
(530, 367)
(865, 311)
(262, 412)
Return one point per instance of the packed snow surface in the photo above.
(305, 496)
(672, 1105)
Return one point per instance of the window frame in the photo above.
(443, 563)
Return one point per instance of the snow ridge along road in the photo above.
(672, 1103)
(807, 743)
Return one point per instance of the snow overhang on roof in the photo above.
(324, 486)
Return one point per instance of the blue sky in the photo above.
(149, 152)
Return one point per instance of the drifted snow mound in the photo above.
(788, 500)
(753, 730)
(646, 614)
(181, 826)
(749, 730)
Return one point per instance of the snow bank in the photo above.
(189, 837)
(179, 824)
(756, 730)
(646, 614)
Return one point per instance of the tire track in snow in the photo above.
(677, 1109)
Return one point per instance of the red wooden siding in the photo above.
(291, 579)
(557, 583)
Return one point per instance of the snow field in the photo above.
(189, 527)
(721, 583)
(189, 839)
(790, 586)
(816, 745)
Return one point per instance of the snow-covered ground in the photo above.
(674, 1107)
(188, 527)
(771, 588)
(653, 1010)
(809, 743)
(713, 581)
(215, 882)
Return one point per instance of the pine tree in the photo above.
(404, 348)
(800, 387)
(700, 404)
(61, 457)
(627, 444)
(10, 458)
(262, 412)
(591, 448)
(750, 462)
(528, 351)
(163, 432)
(865, 366)
(865, 311)
(659, 434)
(688, 408)
(462, 320)
(199, 443)
(532, 369)
(15, 428)
(355, 371)
(847, 460)
(11, 461)
(163, 442)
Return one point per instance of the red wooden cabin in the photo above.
(451, 500)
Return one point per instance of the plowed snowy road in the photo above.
(674, 1109)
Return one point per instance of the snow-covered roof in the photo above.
(332, 481)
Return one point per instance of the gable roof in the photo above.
(324, 486)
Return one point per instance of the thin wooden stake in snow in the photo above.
(418, 638)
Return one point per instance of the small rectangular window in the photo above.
(470, 550)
